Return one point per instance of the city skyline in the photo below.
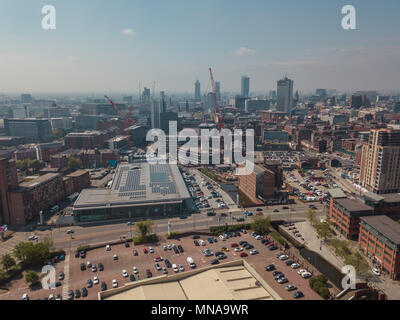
(96, 39)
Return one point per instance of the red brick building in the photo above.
(95, 158)
(86, 140)
(379, 239)
(46, 150)
(259, 184)
(25, 153)
(345, 216)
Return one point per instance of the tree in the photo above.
(58, 133)
(261, 225)
(323, 230)
(31, 277)
(7, 261)
(311, 217)
(324, 292)
(32, 254)
(144, 228)
(75, 163)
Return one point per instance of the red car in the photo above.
(234, 245)
(145, 250)
(158, 259)
(243, 254)
(270, 244)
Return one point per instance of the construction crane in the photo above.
(220, 122)
(129, 120)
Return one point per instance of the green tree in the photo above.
(261, 225)
(323, 230)
(144, 228)
(311, 217)
(75, 163)
(8, 261)
(32, 254)
(58, 133)
(31, 277)
(324, 292)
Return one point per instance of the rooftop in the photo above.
(336, 193)
(353, 205)
(39, 180)
(135, 184)
(216, 283)
(384, 225)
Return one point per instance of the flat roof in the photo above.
(391, 197)
(137, 183)
(39, 180)
(353, 205)
(337, 193)
(384, 225)
(219, 283)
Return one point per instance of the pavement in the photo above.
(77, 279)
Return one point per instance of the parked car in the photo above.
(243, 254)
(89, 283)
(84, 292)
(115, 257)
(254, 251)
(298, 295)
(290, 287)
(95, 280)
(135, 253)
(132, 278)
(115, 283)
(270, 267)
(108, 247)
(124, 273)
(135, 270)
(214, 261)
(61, 276)
(101, 267)
(103, 286)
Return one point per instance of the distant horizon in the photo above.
(102, 46)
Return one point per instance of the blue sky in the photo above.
(173, 42)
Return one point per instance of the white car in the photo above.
(202, 242)
(295, 266)
(25, 296)
(135, 270)
(222, 237)
(33, 238)
(254, 251)
(175, 268)
(96, 280)
(306, 275)
(301, 271)
(165, 248)
(238, 249)
(376, 272)
(151, 250)
(283, 257)
(108, 247)
(89, 264)
(124, 273)
(115, 283)
(259, 237)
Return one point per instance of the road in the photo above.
(90, 235)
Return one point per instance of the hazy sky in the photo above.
(103, 46)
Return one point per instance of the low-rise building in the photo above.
(379, 239)
(345, 216)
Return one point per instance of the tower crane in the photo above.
(220, 121)
(129, 120)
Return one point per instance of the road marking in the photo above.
(66, 277)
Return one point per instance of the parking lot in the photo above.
(77, 279)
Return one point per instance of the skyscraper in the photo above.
(285, 95)
(146, 96)
(245, 86)
(155, 114)
(218, 90)
(380, 162)
(197, 94)
(163, 103)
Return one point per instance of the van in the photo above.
(190, 262)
